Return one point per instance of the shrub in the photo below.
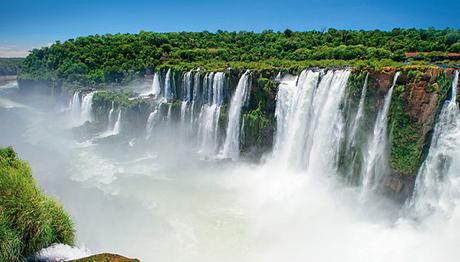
(29, 220)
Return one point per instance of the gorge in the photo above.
(279, 160)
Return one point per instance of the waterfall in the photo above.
(168, 116)
(438, 181)
(183, 110)
(156, 89)
(116, 127)
(231, 147)
(187, 87)
(195, 96)
(309, 120)
(326, 131)
(86, 107)
(375, 160)
(293, 103)
(110, 118)
(359, 115)
(168, 88)
(208, 119)
(153, 117)
(75, 104)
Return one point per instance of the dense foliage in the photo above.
(120, 57)
(10, 66)
(29, 220)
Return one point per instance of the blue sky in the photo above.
(25, 24)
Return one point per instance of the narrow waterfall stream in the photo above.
(231, 146)
(375, 166)
(437, 187)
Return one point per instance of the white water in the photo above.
(156, 89)
(153, 117)
(75, 105)
(231, 148)
(160, 202)
(168, 95)
(293, 104)
(183, 110)
(355, 125)
(110, 118)
(60, 252)
(309, 120)
(87, 107)
(437, 186)
(208, 119)
(375, 160)
(116, 127)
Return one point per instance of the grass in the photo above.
(29, 220)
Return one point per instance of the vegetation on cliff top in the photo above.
(29, 220)
(121, 57)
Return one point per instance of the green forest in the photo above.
(121, 57)
(10, 66)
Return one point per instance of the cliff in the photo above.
(418, 95)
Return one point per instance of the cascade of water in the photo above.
(438, 181)
(116, 127)
(359, 115)
(153, 117)
(183, 111)
(75, 104)
(326, 126)
(87, 107)
(375, 160)
(352, 151)
(168, 89)
(231, 146)
(208, 119)
(293, 103)
(187, 87)
(110, 122)
(168, 116)
(195, 97)
(309, 120)
(156, 89)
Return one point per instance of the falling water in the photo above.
(183, 110)
(375, 162)
(195, 97)
(168, 89)
(75, 104)
(309, 120)
(156, 89)
(359, 115)
(187, 87)
(86, 107)
(110, 122)
(168, 116)
(116, 127)
(438, 181)
(293, 103)
(231, 147)
(208, 119)
(326, 129)
(153, 117)
(352, 150)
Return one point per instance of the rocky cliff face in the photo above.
(417, 99)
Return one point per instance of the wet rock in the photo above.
(106, 257)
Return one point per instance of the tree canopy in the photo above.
(117, 57)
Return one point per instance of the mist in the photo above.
(164, 199)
